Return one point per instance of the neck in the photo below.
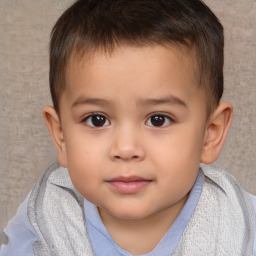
(128, 233)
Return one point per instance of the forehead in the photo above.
(140, 70)
(128, 55)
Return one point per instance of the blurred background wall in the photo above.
(25, 146)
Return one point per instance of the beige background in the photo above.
(25, 146)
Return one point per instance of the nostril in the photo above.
(126, 157)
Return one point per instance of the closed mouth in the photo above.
(128, 185)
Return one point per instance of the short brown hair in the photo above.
(92, 25)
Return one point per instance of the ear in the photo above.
(53, 124)
(216, 132)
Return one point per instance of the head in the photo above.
(136, 87)
(90, 26)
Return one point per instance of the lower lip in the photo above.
(130, 187)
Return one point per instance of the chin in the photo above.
(129, 214)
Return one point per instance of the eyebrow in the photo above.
(166, 100)
(89, 101)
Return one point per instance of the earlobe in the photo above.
(216, 132)
(53, 124)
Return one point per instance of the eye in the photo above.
(96, 120)
(159, 120)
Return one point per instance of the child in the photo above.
(136, 88)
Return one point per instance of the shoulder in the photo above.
(21, 231)
(223, 180)
(55, 210)
(21, 234)
(253, 198)
(236, 194)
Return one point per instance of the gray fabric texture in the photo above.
(25, 145)
(223, 222)
(55, 210)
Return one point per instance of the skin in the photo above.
(128, 90)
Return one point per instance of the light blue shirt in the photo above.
(22, 235)
(103, 244)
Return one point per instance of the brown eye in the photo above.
(96, 120)
(159, 120)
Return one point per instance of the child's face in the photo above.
(133, 128)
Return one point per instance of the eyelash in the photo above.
(95, 114)
(162, 115)
(102, 119)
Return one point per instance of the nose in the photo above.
(127, 145)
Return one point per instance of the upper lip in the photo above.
(128, 179)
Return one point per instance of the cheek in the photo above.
(85, 175)
(177, 155)
(82, 148)
(183, 144)
(84, 162)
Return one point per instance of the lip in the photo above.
(128, 185)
